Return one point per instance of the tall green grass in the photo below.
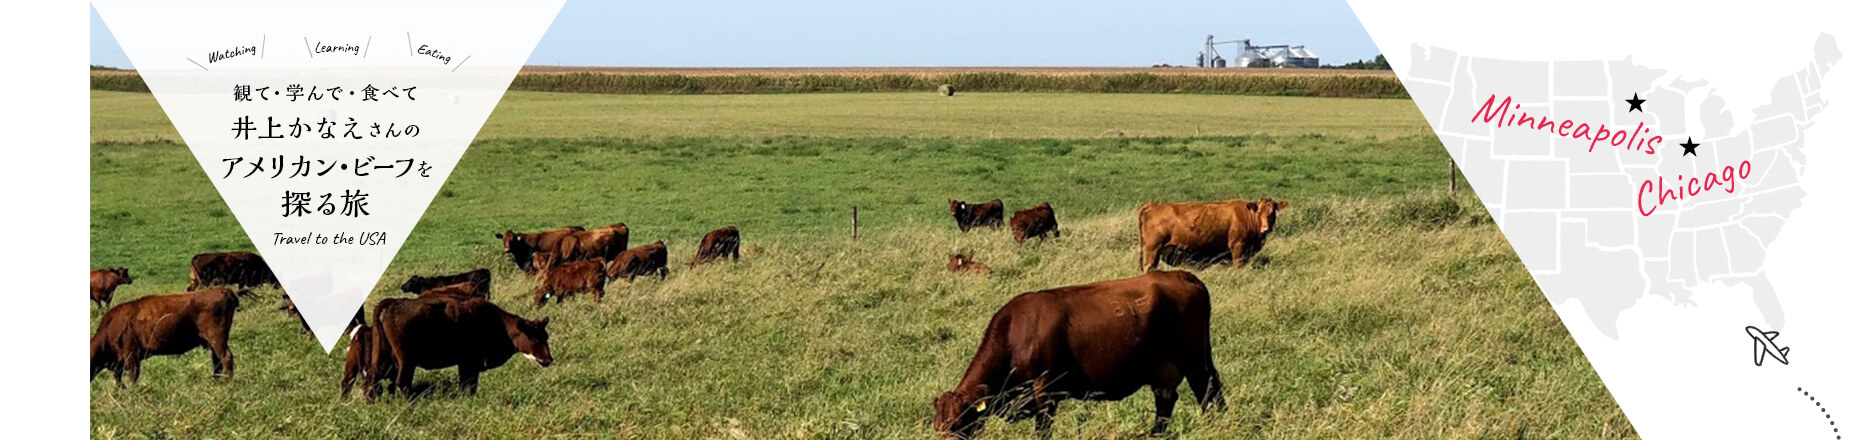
(1335, 86)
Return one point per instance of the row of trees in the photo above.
(1380, 63)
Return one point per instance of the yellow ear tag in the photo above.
(981, 406)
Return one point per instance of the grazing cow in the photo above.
(522, 246)
(479, 279)
(241, 269)
(640, 261)
(725, 242)
(433, 333)
(103, 284)
(356, 365)
(1203, 233)
(1099, 341)
(1033, 222)
(164, 325)
(564, 279)
(965, 263)
(603, 243)
(975, 215)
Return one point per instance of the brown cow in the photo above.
(564, 279)
(1202, 233)
(241, 269)
(356, 365)
(1099, 341)
(975, 215)
(433, 333)
(725, 242)
(640, 261)
(604, 243)
(103, 284)
(522, 246)
(164, 325)
(964, 263)
(1033, 222)
(480, 280)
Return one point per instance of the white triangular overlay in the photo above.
(435, 69)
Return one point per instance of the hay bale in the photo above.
(946, 90)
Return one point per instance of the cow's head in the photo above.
(957, 206)
(123, 274)
(532, 339)
(959, 413)
(103, 356)
(512, 241)
(1267, 211)
(413, 284)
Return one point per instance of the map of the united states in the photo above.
(1590, 224)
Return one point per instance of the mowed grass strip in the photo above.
(135, 117)
(1380, 309)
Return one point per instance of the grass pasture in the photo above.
(1382, 308)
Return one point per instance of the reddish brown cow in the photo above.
(433, 333)
(725, 242)
(103, 284)
(640, 261)
(164, 325)
(976, 215)
(564, 279)
(1099, 341)
(964, 263)
(241, 269)
(603, 243)
(1204, 233)
(356, 365)
(1033, 222)
(522, 246)
(480, 280)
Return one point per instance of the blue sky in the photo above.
(747, 33)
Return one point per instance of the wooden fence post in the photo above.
(1453, 178)
(855, 222)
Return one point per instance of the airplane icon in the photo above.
(1765, 342)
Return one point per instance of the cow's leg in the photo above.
(663, 272)
(468, 379)
(600, 291)
(1044, 407)
(117, 370)
(218, 367)
(133, 363)
(348, 381)
(223, 357)
(403, 374)
(1152, 249)
(1165, 407)
(1237, 248)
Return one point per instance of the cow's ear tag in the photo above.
(983, 405)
